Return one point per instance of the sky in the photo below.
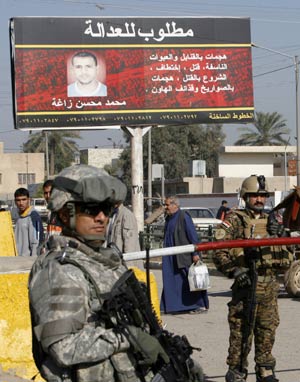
(275, 26)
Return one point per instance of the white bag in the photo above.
(198, 276)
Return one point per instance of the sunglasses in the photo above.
(93, 209)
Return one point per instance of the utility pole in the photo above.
(47, 154)
(149, 200)
(137, 179)
(296, 67)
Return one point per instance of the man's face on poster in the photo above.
(85, 69)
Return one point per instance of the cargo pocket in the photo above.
(103, 372)
(124, 368)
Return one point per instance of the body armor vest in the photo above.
(277, 257)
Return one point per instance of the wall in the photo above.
(13, 163)
(101, 157)
(199, 185)
(243, 161)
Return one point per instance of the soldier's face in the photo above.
(256, 201)
(91, 220)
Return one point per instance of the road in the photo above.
(210, 332)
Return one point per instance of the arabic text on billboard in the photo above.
(89, 72)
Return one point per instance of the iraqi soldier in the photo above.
(75, 336)
(253, 310)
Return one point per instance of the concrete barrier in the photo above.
(16, 358)
(7, 237)
(15, 328)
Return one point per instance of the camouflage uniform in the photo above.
(241, 224)
(83, 328)
(72, 339)
(67, 313)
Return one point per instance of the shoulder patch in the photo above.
(220, 234)
(226, 224)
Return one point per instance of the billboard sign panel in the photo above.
(87, 72)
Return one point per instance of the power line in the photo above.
(273, 71)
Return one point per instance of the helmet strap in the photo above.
(72, 215)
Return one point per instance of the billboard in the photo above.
(88, 72)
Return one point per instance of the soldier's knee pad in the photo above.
(234, 375)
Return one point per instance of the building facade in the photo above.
(19, 170)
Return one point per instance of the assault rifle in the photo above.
(250, 306)
(129, 304)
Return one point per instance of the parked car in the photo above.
(3, 205)
(204, 219)
(40, 205)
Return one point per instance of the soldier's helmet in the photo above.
(254, 184)
(87, 184)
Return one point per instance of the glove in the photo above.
(274, 228)
(242, 277)
(196, 372)
(148, 345)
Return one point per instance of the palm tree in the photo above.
(61, 147)
(270, 127)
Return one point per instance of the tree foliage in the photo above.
(176, 146)
(61, 148)
(268, 130)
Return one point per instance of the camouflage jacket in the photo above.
(70, 338)
(242, 224)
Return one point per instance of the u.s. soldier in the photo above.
(253, 269)
(74, 337)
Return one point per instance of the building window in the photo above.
(26, 178)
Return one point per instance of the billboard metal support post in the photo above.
(137, 179)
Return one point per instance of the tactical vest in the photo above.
(276, 257)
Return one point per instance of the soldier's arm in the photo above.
(70, 333)
(90, 344)
(226, 260)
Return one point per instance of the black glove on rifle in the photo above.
(274, 228)
(242, 278)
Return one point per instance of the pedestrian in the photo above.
(80, 331)
(176, 295)
(123, 231)
(29, 231)
(222, 210)
(253, 311)
(53, 223)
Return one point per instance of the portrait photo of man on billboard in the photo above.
(86, 72)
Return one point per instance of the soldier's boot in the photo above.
(234, 375)
(265, 374)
